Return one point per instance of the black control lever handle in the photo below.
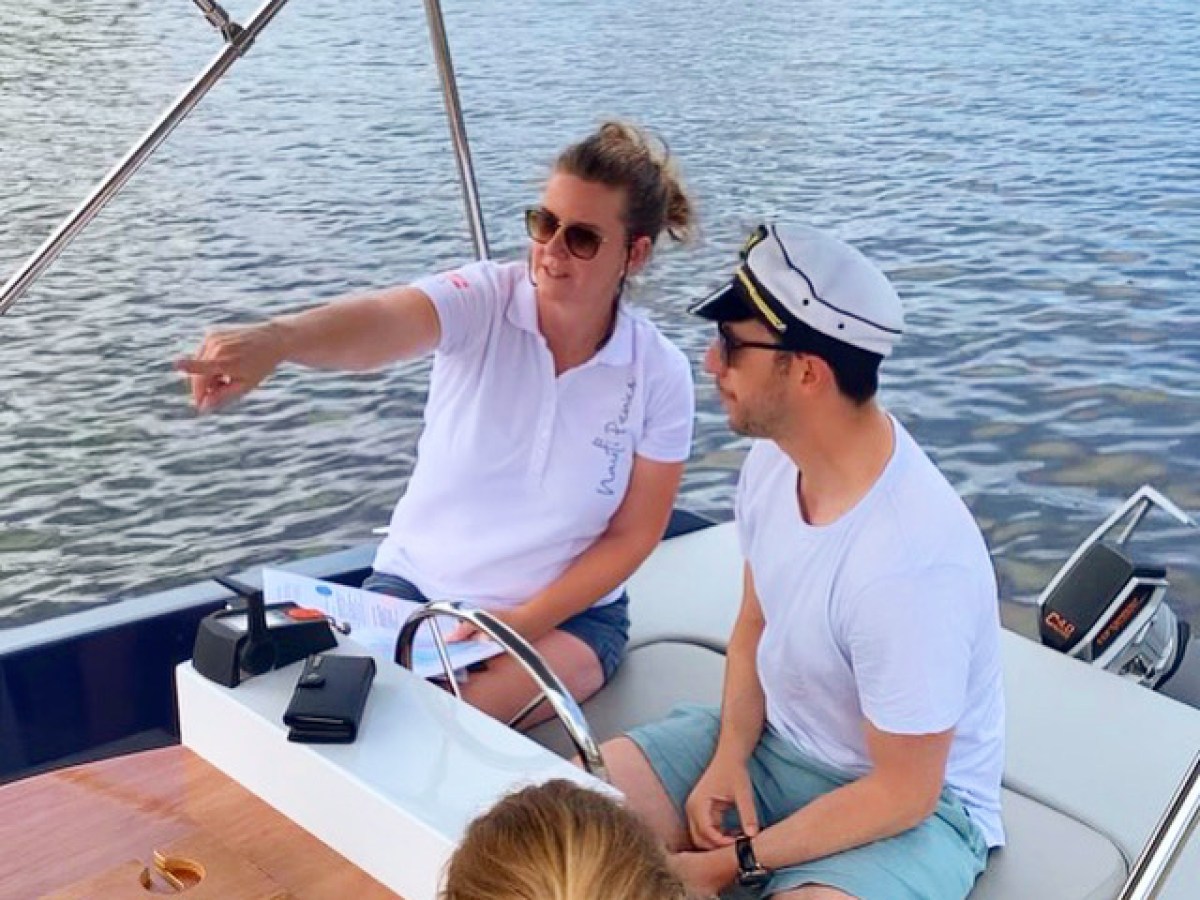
(259, 651)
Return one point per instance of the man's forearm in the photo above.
(857, 813)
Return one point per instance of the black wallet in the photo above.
(327, 704)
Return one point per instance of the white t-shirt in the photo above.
(891, 613)
(519, 471)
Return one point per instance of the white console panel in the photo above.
(397, 800)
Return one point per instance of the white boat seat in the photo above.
(1102, 749)
(1049, 856)
(688, 590)
(653, 678)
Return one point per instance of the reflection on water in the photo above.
(1029, 178)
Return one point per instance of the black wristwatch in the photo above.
(750, 873)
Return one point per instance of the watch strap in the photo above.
(750, 872)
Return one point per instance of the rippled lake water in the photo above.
(1027, 173)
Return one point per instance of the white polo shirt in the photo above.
(519, 471)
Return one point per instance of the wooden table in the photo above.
(63, 827)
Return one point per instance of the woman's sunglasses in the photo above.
(582, 241)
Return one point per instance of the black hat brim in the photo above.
(727, 303)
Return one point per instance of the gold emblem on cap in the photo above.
(768, 313)
(756, 237)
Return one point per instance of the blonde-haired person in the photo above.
(559, 841)
(557, 422)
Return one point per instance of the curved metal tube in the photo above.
(1149, 874)
(518, 648)
(458, 131)
(115, 180)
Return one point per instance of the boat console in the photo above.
(395, 801)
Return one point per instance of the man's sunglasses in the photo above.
(583, 242)
(729, 343)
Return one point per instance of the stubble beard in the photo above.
(765, 417)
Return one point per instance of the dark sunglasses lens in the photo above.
(540, 224)
(581, 241)
(724, 345)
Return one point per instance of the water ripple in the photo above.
(1029, 179)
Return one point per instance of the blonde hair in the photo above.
(559, 841)
(622, 155)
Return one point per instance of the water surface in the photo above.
(1027, 174)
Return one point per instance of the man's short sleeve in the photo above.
(467, 301)
(670, 406)
(909, 639)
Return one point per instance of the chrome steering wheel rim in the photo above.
(553, 691)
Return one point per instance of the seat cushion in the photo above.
(651, 680)
(688, 590)
(1049, 856)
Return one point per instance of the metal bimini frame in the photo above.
(238, 39)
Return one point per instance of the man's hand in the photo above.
(724, 785)
(231, 363)
(705, 873)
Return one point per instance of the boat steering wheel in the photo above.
(550, 686)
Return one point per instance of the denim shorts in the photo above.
(938, 860)
(605, 629)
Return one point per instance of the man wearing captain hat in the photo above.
(859, 744)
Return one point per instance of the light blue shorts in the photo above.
(938, 860)
(605, 629)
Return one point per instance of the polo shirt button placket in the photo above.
(541, 441)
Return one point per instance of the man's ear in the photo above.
(639, 254)
(813, 371)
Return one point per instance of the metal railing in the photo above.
(1149, 873)
(238, 39)
(550, 685)
(458, 130)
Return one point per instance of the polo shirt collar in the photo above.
(522, 313)
(619, 349)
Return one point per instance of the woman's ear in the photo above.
(639, 254)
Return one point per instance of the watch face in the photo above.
(754, 878)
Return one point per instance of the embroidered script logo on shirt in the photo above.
(612, 442)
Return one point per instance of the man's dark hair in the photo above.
(856, 371)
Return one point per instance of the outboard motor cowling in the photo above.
(1108, 609)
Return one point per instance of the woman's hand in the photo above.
(231, 363)
(516, 619)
